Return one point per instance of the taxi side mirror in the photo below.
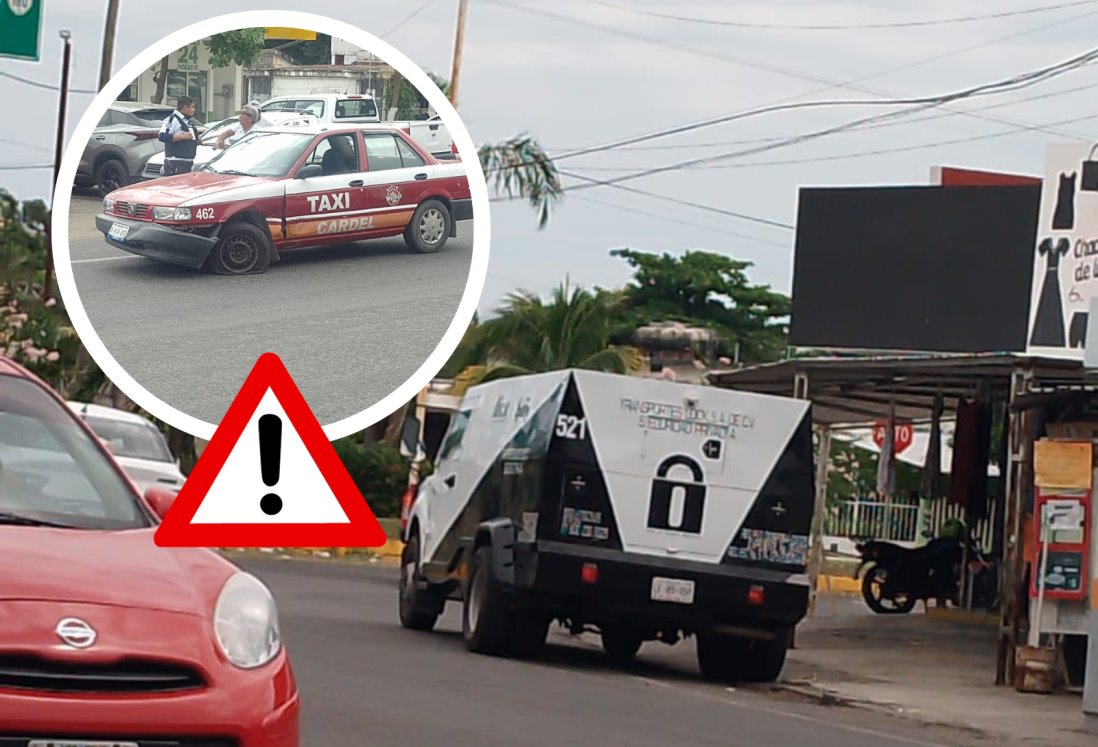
(308, 172)
(160, 500)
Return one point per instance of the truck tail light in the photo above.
(756, 594)
(406, 502)
(589, 574)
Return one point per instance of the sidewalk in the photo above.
(924, 668)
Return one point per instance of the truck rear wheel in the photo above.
(486, 623)
(765, 659)
(620, 643)
(418, 611)
(720, 657)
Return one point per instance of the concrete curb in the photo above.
(843, 585)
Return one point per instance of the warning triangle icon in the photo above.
(269, 478)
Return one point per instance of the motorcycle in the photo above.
(899, 577)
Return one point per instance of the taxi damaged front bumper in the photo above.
(155, 241)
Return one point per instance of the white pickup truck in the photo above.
(431, 134)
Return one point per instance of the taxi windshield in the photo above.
(269, 154)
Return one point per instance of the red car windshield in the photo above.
(266, 154)
(51, 469)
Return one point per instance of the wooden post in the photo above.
(108, 43)
(459, 43)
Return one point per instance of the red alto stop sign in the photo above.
(904, 434)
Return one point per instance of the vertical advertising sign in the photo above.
(20, 29)
(1065, 271)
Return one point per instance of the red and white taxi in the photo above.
(289, 188)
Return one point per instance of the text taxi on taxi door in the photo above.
(289, 188)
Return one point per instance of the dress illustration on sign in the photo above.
(1064, 217)
(1077, 334)
(1048, 327)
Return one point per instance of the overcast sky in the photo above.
(577, 73)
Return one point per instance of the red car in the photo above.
(291, 187)
(107, 639)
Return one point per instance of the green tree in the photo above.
(520, 168)
(237, 47)
(528, 335)
(709, 290)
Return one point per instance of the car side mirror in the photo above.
(410, 445)
(161, 500)
(308, 172)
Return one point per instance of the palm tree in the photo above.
(519, 167)
(529, 335)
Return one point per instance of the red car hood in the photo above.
(175, 190)
(121, 569)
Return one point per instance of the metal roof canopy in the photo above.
(850, 391)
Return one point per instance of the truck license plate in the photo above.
(672, 590)
(118, 231)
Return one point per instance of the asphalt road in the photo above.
(351, 322)
(366, 680)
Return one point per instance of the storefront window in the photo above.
(191, 84)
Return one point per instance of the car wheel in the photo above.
(417, 610)
(485, 617)
(429, 227)
(110, 175)
(241, 249)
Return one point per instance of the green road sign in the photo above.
(20, 28)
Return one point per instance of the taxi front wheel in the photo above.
(242, 249)
(429, 227)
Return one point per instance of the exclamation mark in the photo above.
(270, 453)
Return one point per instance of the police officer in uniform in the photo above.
(180, 138)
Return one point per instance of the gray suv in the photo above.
(121, 144)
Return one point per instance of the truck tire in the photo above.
(241, 249)
(486, 622)
(110, 175)
(620, 643)
(419, 610)
(765, 659)
(721, 657)
(429, 227)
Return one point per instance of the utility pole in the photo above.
(459, 42)
(47, 288)
(108, 43)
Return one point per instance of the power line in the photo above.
(415, 13)
(721, 120)
(46, 86)
(677, 201)
(891, 123)
(845, 26)
(862, 154)
(669, 219)
(1014, 83)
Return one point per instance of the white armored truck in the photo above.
(642, 509)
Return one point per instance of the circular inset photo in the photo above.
(271, 182)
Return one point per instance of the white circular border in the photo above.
(287, 19)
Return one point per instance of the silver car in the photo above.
(121, 144)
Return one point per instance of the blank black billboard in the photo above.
(937, 269)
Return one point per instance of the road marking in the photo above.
(99, 259)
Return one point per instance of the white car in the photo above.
(205, 152)
(138, 445)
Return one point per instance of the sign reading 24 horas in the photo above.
(1065, 271)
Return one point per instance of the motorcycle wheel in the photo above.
(872, 591)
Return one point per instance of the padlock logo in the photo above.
(677, 505)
